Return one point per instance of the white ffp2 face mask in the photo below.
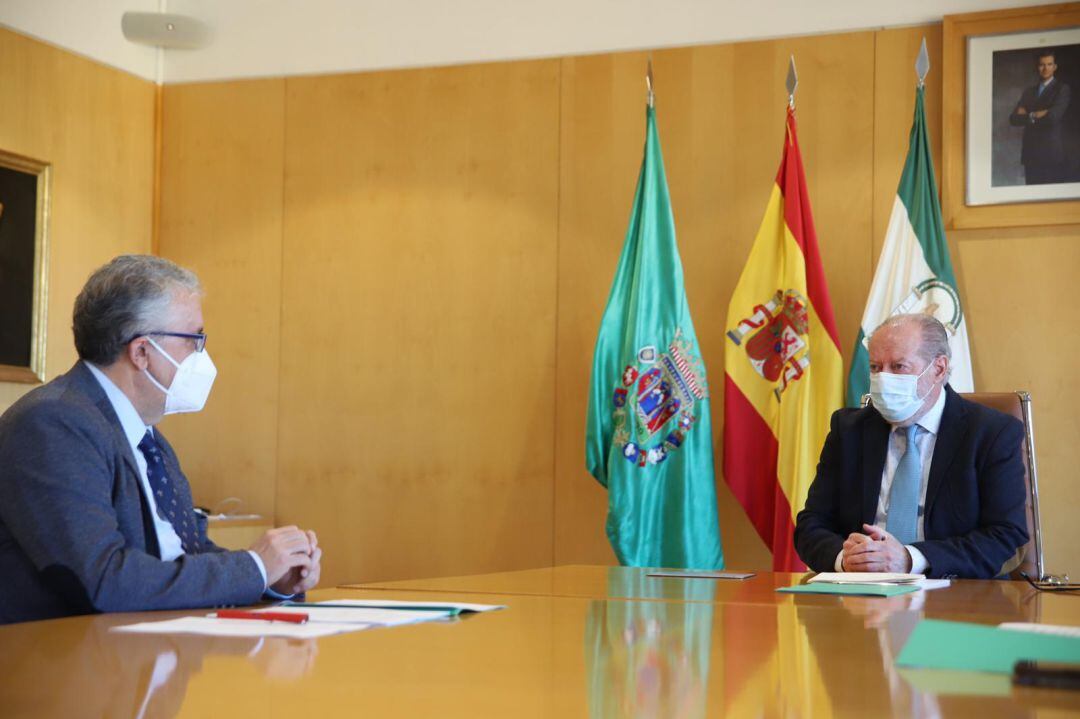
(896, 396)
(190, 385)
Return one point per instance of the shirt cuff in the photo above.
(919, 565)
(261, 566)
(838, 565)
(267, 591)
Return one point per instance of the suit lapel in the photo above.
(950, 435)
(86, 383)
(875, 446)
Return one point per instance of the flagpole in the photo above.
(650, 96)
(791, 83)
(922, 64)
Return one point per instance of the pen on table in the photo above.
(291, 617)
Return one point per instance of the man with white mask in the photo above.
(95, 512)
(921, 480)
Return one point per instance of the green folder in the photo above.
(936, 644)
(861, 590)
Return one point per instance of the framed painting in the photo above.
(24, 222)
(1011, 130)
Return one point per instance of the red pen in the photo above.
(292, 617)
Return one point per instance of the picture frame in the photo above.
(24, 266)
(990, 71)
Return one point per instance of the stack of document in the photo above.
(870, 584)
(322, 618)
(880, 578)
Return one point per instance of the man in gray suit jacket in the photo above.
(95, 512)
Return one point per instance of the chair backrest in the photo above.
(1029, 558)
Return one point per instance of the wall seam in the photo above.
(281, 294)
(558, 257)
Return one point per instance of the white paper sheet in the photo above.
(240, 628)
(1055, 629)
(404, 604)
(880, 578)
(866, 578)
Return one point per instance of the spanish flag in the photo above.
(784, 373)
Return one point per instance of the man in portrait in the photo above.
(1040, 111)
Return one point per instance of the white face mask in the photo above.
(190, 385)
(896, 396)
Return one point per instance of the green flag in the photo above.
(648, 437)
(914, 273)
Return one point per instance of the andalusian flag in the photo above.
(648, 437)
(784, 372)
(914, 273)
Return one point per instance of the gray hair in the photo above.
(935, 338)
(122, 300)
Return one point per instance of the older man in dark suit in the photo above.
(922, 480)
(1040, 112)
(95, 512)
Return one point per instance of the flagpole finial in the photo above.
(922, 64)
(649, 94)
(792, 82)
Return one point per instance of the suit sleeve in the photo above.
(1056, 112)
(57, 501)
(1016, 118)
(817, 537)
(1002, 526)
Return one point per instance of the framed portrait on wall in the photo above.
(1011, 126)
(1023, 129)
(24, 220)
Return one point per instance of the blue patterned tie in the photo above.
(169, 506)
(904, 493)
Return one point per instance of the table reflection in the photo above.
(120, 674)
(875, 629)
(649, 658)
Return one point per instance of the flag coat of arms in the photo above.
(914, 273)
(783, 369)
(648, 434)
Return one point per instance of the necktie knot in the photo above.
(148, 444)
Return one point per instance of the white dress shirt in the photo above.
(925, 439)
(134, 429)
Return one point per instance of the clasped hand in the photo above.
(874, 551)
(291, 557)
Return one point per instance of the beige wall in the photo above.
(95, 126)
(406, 271)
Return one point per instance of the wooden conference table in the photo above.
(573, 642)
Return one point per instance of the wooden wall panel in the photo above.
(95, 125)
(418, 325)
(1014, 281)
(720, 112)
(221, 190)
(448, 239)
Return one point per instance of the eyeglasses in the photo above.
(1052, 586)
(199, 337)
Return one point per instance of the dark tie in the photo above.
(169, 507)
